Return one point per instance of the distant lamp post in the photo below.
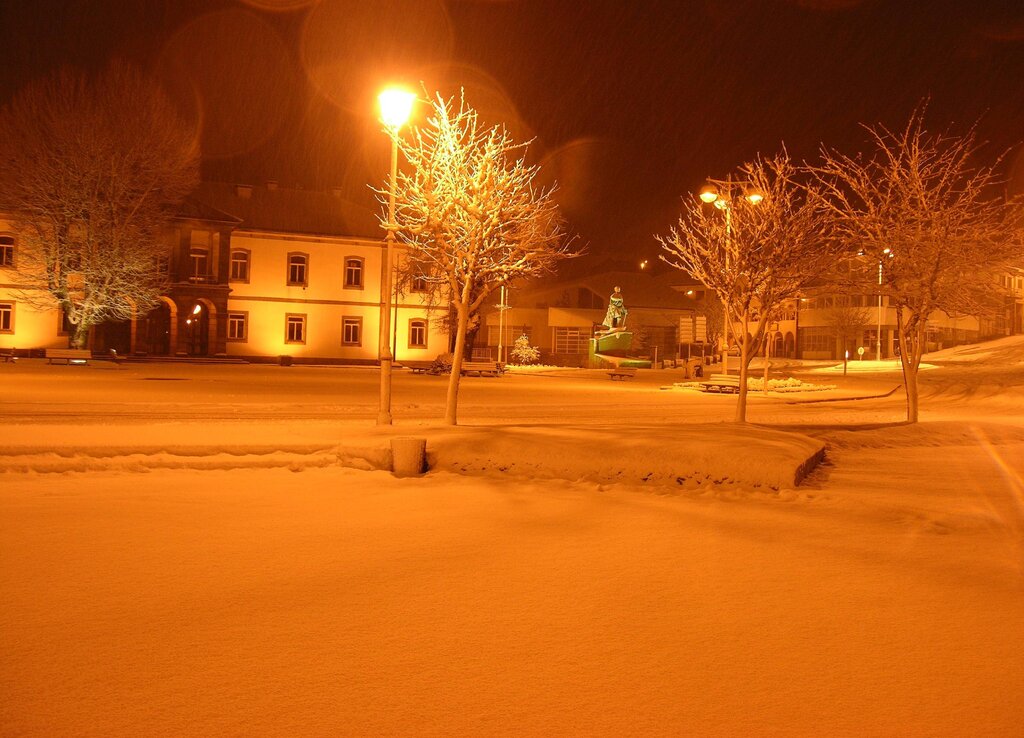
(720, 193)
(395, 109)
(878, 331)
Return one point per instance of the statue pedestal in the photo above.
(614, 345)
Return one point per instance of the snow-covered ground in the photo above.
(183, 552)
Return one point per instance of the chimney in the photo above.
(244, 191)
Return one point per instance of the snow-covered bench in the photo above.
(622, 372)
(482, 368)
(8, 355)
(418, 367)
(68, 355)
(720, 383)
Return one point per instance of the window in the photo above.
(239, 266)
(571, 340)
(419, 284)
(238, 326)
(6, 317)
(354, 272)
(417, 333)
(351, 331)
(6, 251)
(200, 262)
(512, 332)
(64, 327)
(294, 328)
(163, 265)
(818, 339)
(297, 270)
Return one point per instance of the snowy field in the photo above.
(185, 551)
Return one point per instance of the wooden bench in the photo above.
(622, 372)
(8, 355)
(482, 368)
(721, 383)
(419, 367)
(68, 356)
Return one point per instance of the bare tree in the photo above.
(765, 252)
(940, 220)
(846, 321)
(468, 208)
(92, 168)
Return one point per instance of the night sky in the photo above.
(632, 103)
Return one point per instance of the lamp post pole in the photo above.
(395, 106)
(878, 333)
(725, 315)
(386, 359)
(712, 194)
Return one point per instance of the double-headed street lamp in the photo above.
(719, 193)
(886, 252)
(395, 108)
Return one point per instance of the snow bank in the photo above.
(688, 456)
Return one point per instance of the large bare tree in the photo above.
(93, 167)
(940, 220)
(754, 253)
(468, 209)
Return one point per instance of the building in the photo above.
(252, 272)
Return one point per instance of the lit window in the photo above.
(417, 333)
(295, 329)
(354, 272)
(239, 266)
(351, 331)
(238, 326)
(570, 340)
(200, 262)
(6, 251)
(297, 268)
(6, 317)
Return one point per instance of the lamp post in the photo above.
(395, 107)
(878, 334)
(719, 193)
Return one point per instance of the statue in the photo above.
(615, 318)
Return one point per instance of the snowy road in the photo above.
(884, 596)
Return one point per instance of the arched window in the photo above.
(353, 272)
(298, 270)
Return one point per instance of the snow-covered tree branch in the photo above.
(940, 221)
(753, 253)
(468, 209)
(92, 169)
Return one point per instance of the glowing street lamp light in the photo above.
(395, 109)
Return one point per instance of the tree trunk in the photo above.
(80, 337)
(745, 357)
(452, 401)
(911, 350)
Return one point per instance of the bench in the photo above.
(720, 383)
(68, 356)
(8, 355)
(419, 367)
(622, 372)
(482, 368)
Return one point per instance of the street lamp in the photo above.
(395, 108)
(878, 335)
(719, 193)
